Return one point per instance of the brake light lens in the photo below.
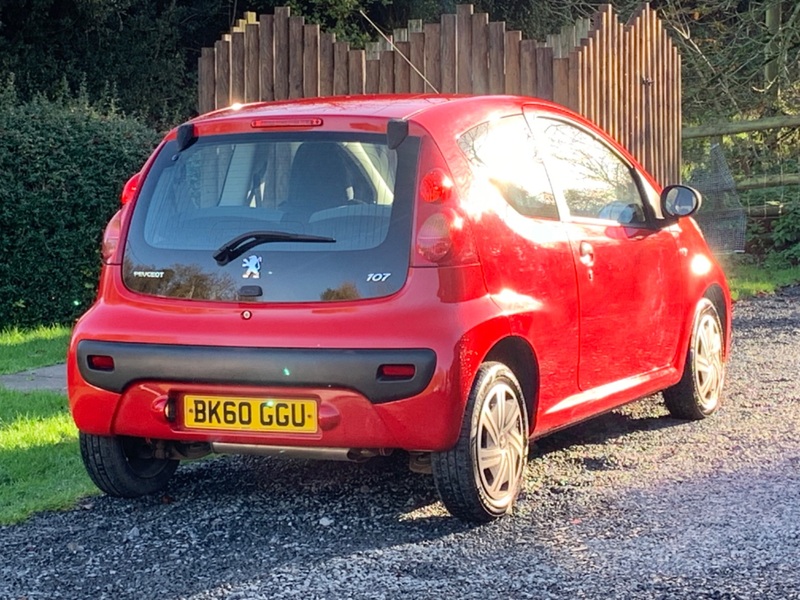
(436, 186)
(131, 189)
(286, 122)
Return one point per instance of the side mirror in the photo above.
(680, 201)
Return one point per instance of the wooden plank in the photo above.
(544, 73)
(296, 26)
(266, 57)
(415, 26)
(326, 42)
(237, 67)
(400, 35)
(282, 15)
(768, 181)
(561, 81)
(676, 102)
(340, 68)
(662, 127)
(587, 64)
(416, 44)
(480, 53)
(386, 79)
(222, 74)
(433, 57)
(527, 67)
(356, 71)
(252, 91)
(205, 83)
(448, 53)
(574, 102)
(604, 59)
(464, 48)
(497, 57)
(402, 72)
(648, 157)
(311, 61)
(613, 79)
(513, 75)
(372, 76)
(373, 50)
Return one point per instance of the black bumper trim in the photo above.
(274, 367)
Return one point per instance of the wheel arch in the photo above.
(518, 355)
(716, 296)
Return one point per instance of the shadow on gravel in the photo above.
(238, 521)
(645, 415)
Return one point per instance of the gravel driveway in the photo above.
(631, 505)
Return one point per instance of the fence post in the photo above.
(626, 77)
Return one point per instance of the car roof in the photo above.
(426, 109)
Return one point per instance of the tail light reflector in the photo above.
(396, 372)
(100, 362)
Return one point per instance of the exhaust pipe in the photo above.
(343, 454)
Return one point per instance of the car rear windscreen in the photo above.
(274, 217)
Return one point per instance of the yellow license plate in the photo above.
(250, 414)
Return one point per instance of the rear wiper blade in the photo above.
(241, 244)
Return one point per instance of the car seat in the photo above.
(318, 180)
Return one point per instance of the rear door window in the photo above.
(504, 153)
(323, 211)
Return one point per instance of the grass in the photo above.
(40, 464)
(21, 350)
(749, 279)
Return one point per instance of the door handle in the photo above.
(586, 254)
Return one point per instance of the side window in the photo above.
(595, 181)
(504, 152)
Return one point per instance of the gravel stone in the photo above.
(633, 504)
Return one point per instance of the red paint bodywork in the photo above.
(594, 344)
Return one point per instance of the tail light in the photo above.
(131, 189)
(111, 236)
(443, 235)
(436, 186)
(444, 238)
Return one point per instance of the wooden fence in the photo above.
(624, 77)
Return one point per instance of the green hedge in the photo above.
(62, 167)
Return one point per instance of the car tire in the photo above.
(479, 479)
(699, 392)
(117, 467)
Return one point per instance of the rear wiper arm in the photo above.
(241, 244)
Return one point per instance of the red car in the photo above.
(344, 277)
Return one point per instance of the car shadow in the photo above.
(246, 518)
(647, 414)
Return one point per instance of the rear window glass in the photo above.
(321, 205)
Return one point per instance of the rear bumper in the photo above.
(347, 419)
(349, 369)
(331, 353)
